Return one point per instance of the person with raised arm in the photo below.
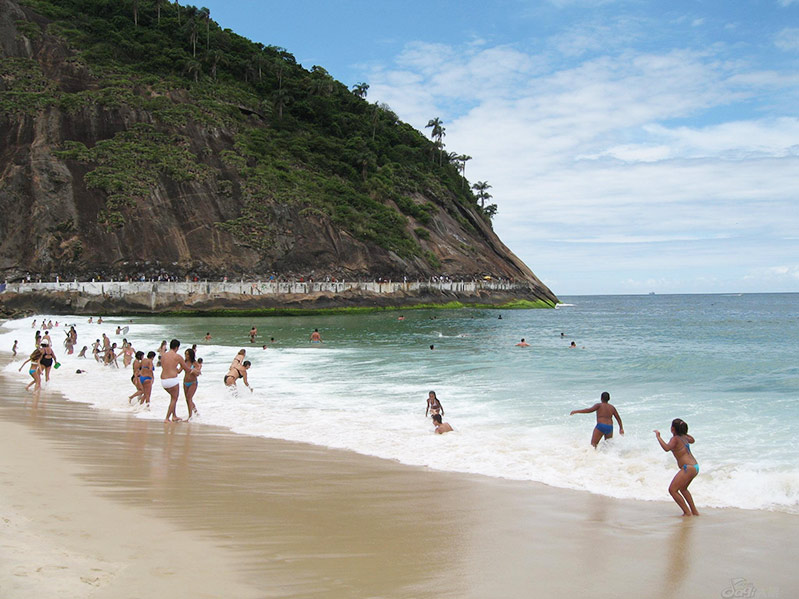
(688, 468)
(605, 413)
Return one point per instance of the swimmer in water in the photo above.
(688, 468)
(522, 343)
(316, 337)
(253, 334)
(605, 412)
(433, 405)
(441, 427)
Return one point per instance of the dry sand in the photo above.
(101, 505)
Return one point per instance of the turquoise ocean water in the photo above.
(726, 364)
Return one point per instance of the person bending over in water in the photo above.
(236, 372)
(172, 364)
(680, 446)
(605, 412)
(433, 405)
(441, 427)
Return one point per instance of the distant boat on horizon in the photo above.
(651, 293)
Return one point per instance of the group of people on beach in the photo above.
(173, 365)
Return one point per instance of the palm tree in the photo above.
(193, 36)
(193, 67)
(490, 211)
(359, 89)
(158, 5)
(321, 83)
(438, 134)
(463, 158)
(282, 97)
(205, 15)
(217, 57)
(481, 188)
(136, 12)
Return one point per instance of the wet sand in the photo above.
(95, 504)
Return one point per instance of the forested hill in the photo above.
(139, 137)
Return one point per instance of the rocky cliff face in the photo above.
(184, 207)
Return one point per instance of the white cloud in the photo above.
(788, 39)
(609, 153)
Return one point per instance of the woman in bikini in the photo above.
(135, 377)
(433, 405)
(35, 369)
(146, 378)
(237, 371)
(680, 446)
(190, 381)
(128, 352)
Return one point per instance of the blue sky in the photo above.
(631, 146)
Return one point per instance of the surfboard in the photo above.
(125, 330)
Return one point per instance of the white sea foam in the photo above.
(371, 400)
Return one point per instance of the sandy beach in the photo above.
(95, 504)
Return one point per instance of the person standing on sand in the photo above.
(316, 337)
(441, 427)
(680, 446)
(172, 364)
(433, 405)
(605, 412)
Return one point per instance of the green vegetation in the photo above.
(514, 305)
(301, 137)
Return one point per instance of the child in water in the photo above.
(433, 405)
(680, 446)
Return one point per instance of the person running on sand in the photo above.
(146, 378)
(253, 334)
(316, 337)
(433, 405)
(522, 343)
(441, 427)
(605, 412)
(190, 380)
(172, 364)
(680, 446)
(238, 371)
(35, 369)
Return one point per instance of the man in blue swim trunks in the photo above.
(605, 412)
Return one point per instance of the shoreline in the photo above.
(307, 521)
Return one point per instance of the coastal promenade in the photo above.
(125, 297)
(127, 288)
